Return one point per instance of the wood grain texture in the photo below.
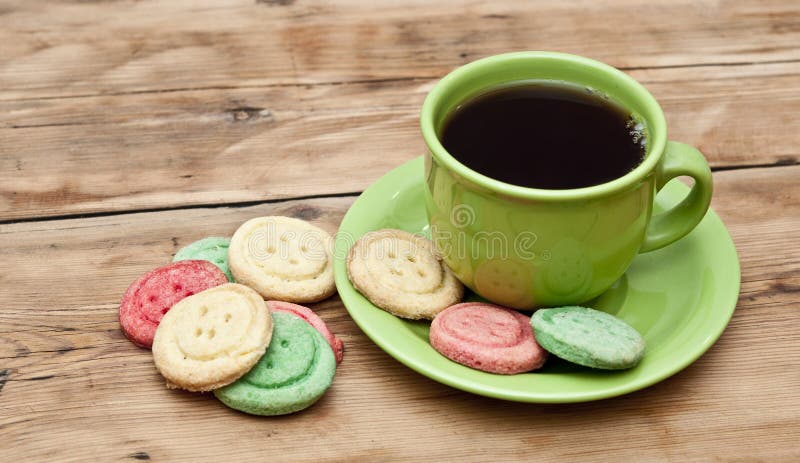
(198, 147)
(120, 105)
(207, 113)
(78, 48)
(75, 389)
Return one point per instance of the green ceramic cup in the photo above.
(527, 247)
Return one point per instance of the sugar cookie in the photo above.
(487, 337)
(283, 258)
(402, 274)
(212, 249)
(312, 319)
(151, 296)
(588, 337)
(294, 373)
(212, 338)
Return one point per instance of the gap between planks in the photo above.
(235, 204)
(238, 204)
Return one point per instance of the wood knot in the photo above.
(275, 2)
(4, 374)
(305, 212)
(248, 113)
(786, 161)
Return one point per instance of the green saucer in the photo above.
(680, 298)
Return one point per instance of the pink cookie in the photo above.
(487, 337)
(312, 319)
(154, 293)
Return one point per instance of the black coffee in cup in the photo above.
(544, 135)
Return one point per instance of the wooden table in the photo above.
(131, 128)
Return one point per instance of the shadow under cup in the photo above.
(526, 247)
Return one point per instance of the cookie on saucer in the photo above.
(588, 337)
(402, 274)
(487, 337)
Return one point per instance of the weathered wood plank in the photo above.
(159, 150)
(75, 389)
(76, 48)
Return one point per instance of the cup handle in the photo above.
(669, 226)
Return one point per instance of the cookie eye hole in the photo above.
(212, 333)
(421, 273)
(270, 249)
(285, 343)
(392, 255)
(284, 238)
(198, 332)
(269, 365)
(411, 258)
(293, 261)
(227, 317)
(203, 311)
(177, 287)
(304, 248)
(151, 299)
(396, 272)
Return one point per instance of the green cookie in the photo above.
(588, 337)
(294, 373)
(212, 249)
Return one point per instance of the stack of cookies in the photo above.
(404, 275)
(249, 342)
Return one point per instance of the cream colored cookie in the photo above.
(210, 339)
(402, 274)
(283, 258)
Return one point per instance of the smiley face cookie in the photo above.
(402, 274)
(310, 317)
(209, 340)
(487, 337)
(283, 258)
(294, 373)
(588, 337)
